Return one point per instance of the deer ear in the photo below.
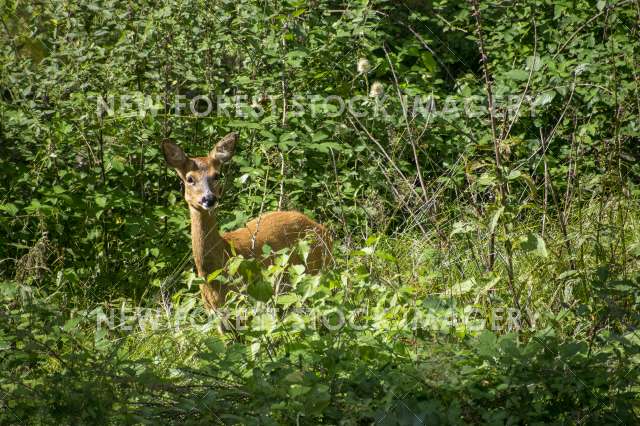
(173, 154)
(223, 151)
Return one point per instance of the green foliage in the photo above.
(284, 367)
(441, 207)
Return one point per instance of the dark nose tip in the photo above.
(209, 200)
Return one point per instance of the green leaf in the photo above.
(288, 299)
(535, 244)
(304, 249)
(487, 342)
(244, 124)
(117, 165)
(428, 61)
(250, 270)
(486, 180)
(215, 345)
(294, 377)
(534, 62)
(234, 265)
(71, 323)
(9, 208)
(486, 288)
(514, 174)
(463, 287)
(260, 290)
(385, 256)
(495, 219)
(318, 399)
(519, 75)
(461, 228)
(212, 276)
(319, 136)
(544, 99)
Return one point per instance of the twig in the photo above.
(392, 163)
(526, 88)
(406, 120)
(492, 115)
(426, 46)
(487, 80)
(281, 199)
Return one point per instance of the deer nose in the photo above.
(208, 201)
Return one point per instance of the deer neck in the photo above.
(207, 244)
(208, 253)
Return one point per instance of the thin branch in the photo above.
(526, 88)
(406, 120)
(426, 46)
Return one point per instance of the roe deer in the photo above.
(280, 229)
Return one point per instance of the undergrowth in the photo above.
(399, 331)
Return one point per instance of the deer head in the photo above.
(201, 175)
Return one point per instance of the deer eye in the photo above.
(190, 180)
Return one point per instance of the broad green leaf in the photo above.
(495, 219)
(463, 287)
(534, 62)
(260, 290)
(10, 208)
(212, 276)
(544, 98)
(519, 75)
(245, 124)
(535, 244)
(461, 228)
